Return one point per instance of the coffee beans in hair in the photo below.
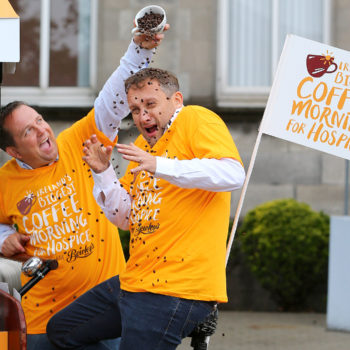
(149, 21)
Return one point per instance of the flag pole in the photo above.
(346, 194)
(243, 192)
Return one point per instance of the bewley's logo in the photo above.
(147, 229)
(74, 254)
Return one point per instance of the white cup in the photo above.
(148, 9)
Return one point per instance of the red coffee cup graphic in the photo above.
(26, 204)
(318, 65)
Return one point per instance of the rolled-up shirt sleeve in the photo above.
(113, 199)
(111, 104)
(217, 175)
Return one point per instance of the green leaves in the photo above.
(286, 245)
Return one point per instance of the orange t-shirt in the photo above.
(178, 236)
(55, 206)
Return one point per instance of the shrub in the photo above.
(286, 246)
(124, 239)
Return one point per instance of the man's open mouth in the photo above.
(45, 144)
(151, 129)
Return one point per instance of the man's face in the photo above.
(151, 109)
(35, 142)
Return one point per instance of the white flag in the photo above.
(309, 102)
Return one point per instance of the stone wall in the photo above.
(189, 50)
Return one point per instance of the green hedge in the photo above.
(125, 238)
(286, 246)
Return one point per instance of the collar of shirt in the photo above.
(28, 167)
(173, 117)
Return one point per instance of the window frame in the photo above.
(47, 96)
(251, 97)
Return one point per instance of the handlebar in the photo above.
(33, 267)
(37, 269)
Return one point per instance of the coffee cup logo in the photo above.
(318, 65)
(25, 204)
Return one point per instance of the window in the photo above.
(58, 53)
(251, 34)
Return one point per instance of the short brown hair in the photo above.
(6, 139)
(168, 82)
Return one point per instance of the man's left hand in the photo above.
(133, 153)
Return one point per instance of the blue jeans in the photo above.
(41, 342)
(146, 321)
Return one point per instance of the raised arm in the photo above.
(111, 104)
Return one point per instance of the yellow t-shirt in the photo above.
(54, 205)
(178, 236)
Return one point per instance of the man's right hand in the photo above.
(96, 155)
(149, 42)
(14, 244)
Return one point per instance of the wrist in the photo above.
(101, 169)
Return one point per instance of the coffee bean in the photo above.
(149, 21)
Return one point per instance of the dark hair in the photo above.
(168, 82)
(6, 139)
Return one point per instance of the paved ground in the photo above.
(274, 331)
